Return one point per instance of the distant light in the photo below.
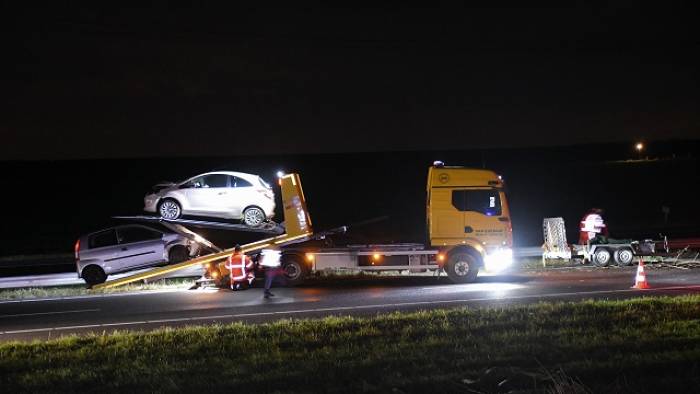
(310, 256)
(376, 256)
(438, 163)
(639, 146)
(280, 174)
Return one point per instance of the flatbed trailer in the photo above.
(603, 254)
(297, 228)
(410, 257)
(622, 254)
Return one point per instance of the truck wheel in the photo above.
(294, 270)
(624, 257)
(177, 254)
(94, 275)
(462, 268)
(601, 257)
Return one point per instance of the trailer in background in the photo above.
(604, 252)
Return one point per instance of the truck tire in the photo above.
(624, 257)
(294, 269)
(93, 275)
(602, 257)
(462, 268)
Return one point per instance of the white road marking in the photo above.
(340, 308)
(49, 313)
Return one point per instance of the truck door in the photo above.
(482, 214)
(446, 220)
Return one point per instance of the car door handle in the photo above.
(125, 249)
(220, 193)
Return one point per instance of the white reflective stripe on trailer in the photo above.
(397, 253)
(381, 252)
(395, 267)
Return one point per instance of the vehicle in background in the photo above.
(220, 194)
(124, 248)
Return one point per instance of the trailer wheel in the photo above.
(93, 275)
(295, 271)
(624, 257)
(601, 257)
(462, 268)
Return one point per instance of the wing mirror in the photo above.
(189, 185)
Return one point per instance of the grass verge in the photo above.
(639, 345)
(25, 293)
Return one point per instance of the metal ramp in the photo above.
(265, 228)
(298, 229)
(555, 245)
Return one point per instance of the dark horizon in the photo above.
(110, 82)
(622, 150)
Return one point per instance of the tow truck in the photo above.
(468, 227)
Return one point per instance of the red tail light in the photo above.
(77, 249)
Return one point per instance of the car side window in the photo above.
(137, 234)
(215, 180)
(102, 239)
(238, 182)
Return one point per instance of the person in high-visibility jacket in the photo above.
(592, 225)
(241, 269)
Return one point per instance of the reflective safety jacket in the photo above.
(592, 224)
(240, 266)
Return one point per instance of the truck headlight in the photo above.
(499, 259)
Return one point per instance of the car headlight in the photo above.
(499, 259)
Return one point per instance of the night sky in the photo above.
(159, 81)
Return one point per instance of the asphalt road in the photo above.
(42, 319)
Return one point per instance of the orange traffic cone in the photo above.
(641, 279)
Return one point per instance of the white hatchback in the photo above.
(220, 194)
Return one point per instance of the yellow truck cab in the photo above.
(468, 220)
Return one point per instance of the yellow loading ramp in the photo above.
(298, 229)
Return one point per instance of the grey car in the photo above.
(124, 248)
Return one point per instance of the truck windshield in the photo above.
(487, 202)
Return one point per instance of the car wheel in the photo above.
(169, 209)
(624, 257)
(601, 257)
(462, 268)
(294, 271)
(94, 275)
(177, 254)
(253, 216)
